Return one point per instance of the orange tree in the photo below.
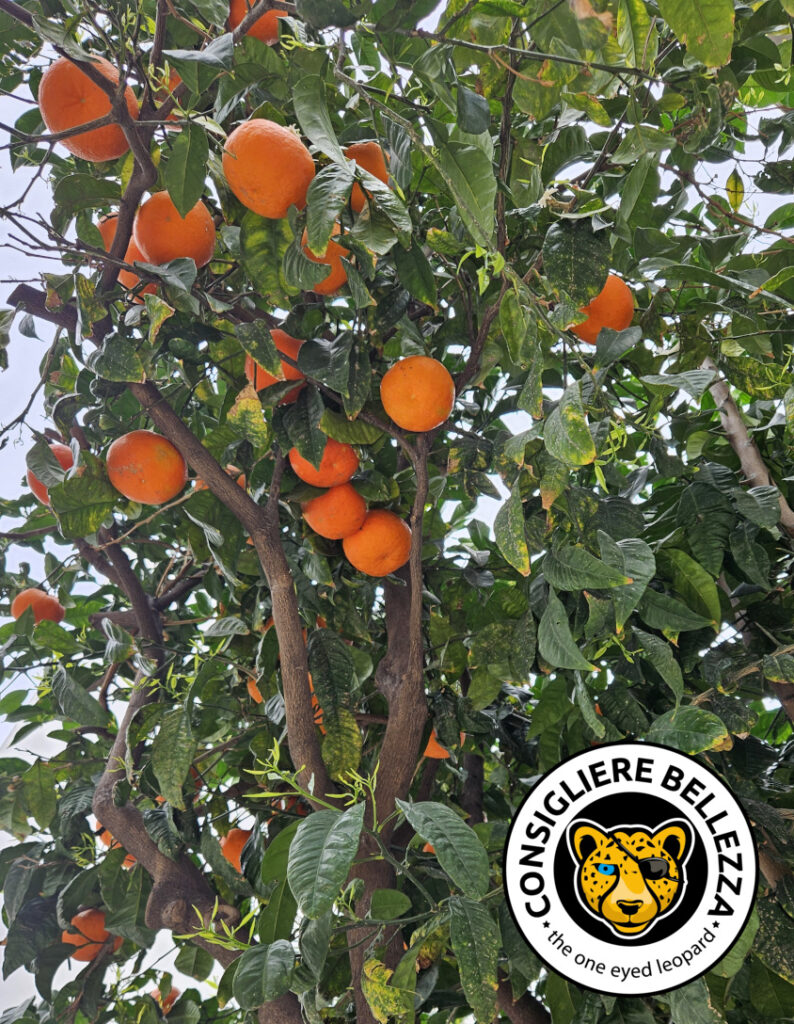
(578, 226)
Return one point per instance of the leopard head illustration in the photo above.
(628, 877)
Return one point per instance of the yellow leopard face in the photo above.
(628, 877)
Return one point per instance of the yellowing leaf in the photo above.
(734, 186)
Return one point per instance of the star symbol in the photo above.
(546, 924)
(716, 924)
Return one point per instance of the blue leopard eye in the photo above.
(606, 869)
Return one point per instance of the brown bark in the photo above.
(524, 1010)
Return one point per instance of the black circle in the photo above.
(632, 810)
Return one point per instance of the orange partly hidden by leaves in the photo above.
(612, 307)
(435, 751)
(165, 1002)
(370, 156)
(44, 605)
(261, 379)
(338, 464)
(331, 258)
(381, 546)
(232, 846)
(63, 453)
(236, 474)
(68, 98)
(264, 28)
(267, 167)
(128, 280)
(418, 393)
(145, 467)
(428, 848)
(162, 234)
(88, 935)
(337, 513)
(106, 838)
(165, 93)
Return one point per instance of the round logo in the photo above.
(630, 869)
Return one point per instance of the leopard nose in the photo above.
(629, 907)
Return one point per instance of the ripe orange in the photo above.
(264, 28)
(165, 93)
(146, 467)
(163, 235)
(261, 379)
(128, 280)
(332, 258)
(44, 605)
(106, 838)
(165, 1002)
(236, 474)
(612, 307)
(232, 846)
(68, 98)
(337, 513)
(63, 453)
(338, 464)
(381, 546)
(428, 848)
(435, 751)
(370, 156)
(418, 393)
(89, 935)
(267, 167)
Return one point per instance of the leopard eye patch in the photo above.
(654, 868)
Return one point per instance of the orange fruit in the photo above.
(428, 848)
(267, 167)
(261, 379)
(264, 28)
(381, 546)
(106, 838)
(337, 513)
(232, 846)
(163, 235)
(45, 606)
(165, 1002)
(370, 156)
(332, 258)
(126, 278)
(145, 467)
(612, 307)
(236, 474)
(418, 393)
(254, 692)
(68, 98)
(88, 935)
(165, 93)
(338, 464)
(63, 453)
(435, 751)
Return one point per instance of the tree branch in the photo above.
(524, 1010)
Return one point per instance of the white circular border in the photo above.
(651, 968)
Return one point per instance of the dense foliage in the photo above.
(635, 583)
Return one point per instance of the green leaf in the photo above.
(341, 749)
(387, 1002)
(199, 68)
(771, 995)
(692, 582)
(576, 259)
(566, 433)
(302, 422)
(332, 670)
(255, 339)
(194, 961)
(659, 656)
(416, 273)
(690, 730)
(705, 27)
(120, 644)
(470, 177)
(263, 245)
(311, 110)
(325, 13)
(117, 360)
(43, 464)
(75, 703)
(328, 360)
(387, 904)
(474, 113)
(458, 849)
(574, 568)
(555, 641)
(694, 382)
(635, 559)
(186, 170)
(734, 959)
(321, 856)
(325, 200)
(475, 943)
(173, 750)
(277, 919)
(39, 788)
(340, 428)
(734, 186)
(263, 974)
(509, 532)
(668, 615)
(637, 36)
(246, 419)
(691, 1004)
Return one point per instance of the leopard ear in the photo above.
(583, 838)
(676, 838)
